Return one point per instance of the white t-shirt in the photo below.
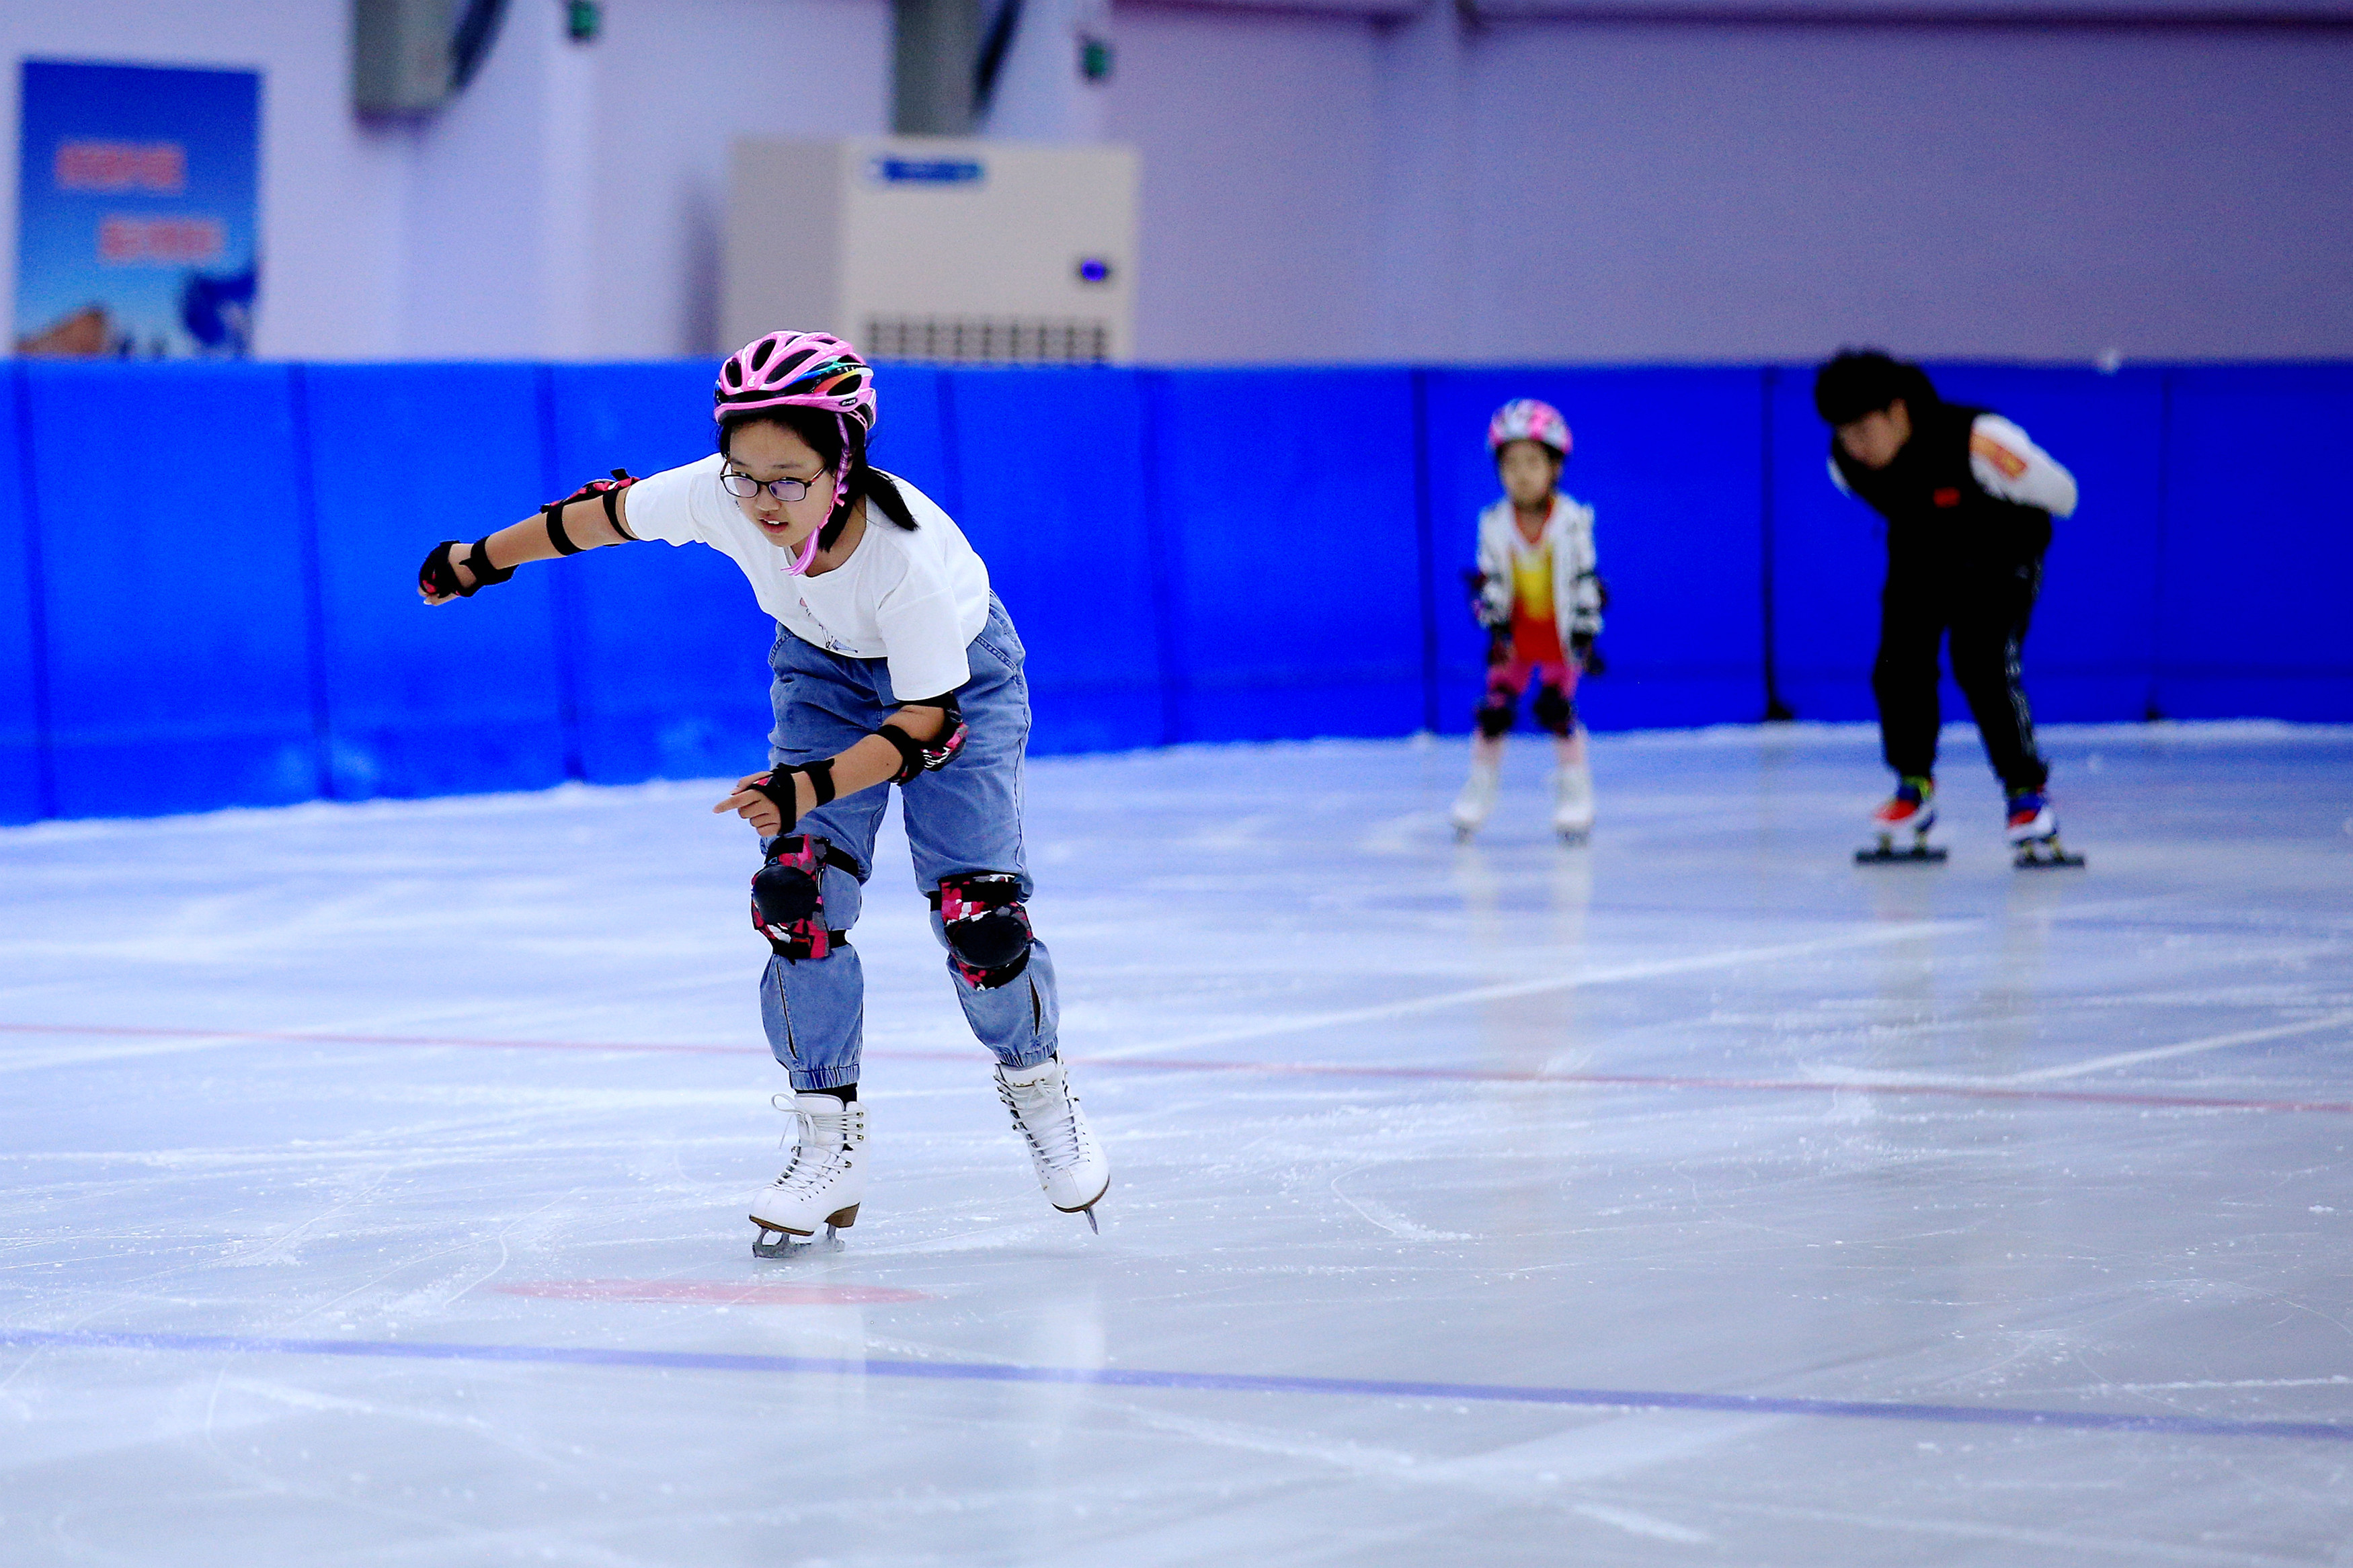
(915, 599)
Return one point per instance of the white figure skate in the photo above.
(1070, 1164)
(1572, 798)
(822, 1187)
(1477, 799)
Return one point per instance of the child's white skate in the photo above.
(1070, 1164)
(1910, 809)
(823, 1186)
(1477, 800)
(2034, 832)
(1572, 807)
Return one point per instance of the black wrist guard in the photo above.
(607, 490)
(477, 562)
(778, 787)
(916, 758)
(438, 578)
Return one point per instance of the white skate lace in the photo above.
(1054, 1145)
(816, 1161)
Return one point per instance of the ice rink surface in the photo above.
(375, 1180)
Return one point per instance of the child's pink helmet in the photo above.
(1525, 419)
(796, 369)
(802, 370)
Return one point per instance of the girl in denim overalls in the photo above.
(894, 664)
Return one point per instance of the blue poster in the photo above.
(136, 232)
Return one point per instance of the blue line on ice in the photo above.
(1212, 1382)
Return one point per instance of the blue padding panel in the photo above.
(1829, 559)
(466, 695)
(176, 614)
(669, 650)
(2087, 655)
(2259, 545)
(1052, 474)
(911, 435)
(1190, 554)
(1670, 461)
(1287, 499)
(20, 739)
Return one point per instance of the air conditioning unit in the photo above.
(932, 248)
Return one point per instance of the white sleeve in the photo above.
(917, 618)
(1836, 478)
(1585, 607)
(2013, 468)
(662, 506)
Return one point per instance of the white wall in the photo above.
(1693, 191)
(1322, 187)
(332, 191)
(565, 207)
(1260, 137)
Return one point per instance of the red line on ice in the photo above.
(1293, 1069)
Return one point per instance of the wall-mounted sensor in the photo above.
(1094, 269)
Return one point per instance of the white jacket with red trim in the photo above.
(1576, 590)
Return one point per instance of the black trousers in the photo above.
(1983, 610)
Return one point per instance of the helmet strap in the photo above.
(830, 534)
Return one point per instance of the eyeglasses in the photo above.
(743, 487)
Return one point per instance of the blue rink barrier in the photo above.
(208, 566)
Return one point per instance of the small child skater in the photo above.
(894, 665)
(1536, 594)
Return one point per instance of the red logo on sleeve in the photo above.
(1948, 496)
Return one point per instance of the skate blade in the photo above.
(2045, 854)
(786, 1243)
(1463, 835)
(1888, 854)
(1574, 834)
(1088, 1207)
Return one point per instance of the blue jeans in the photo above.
(965, 818)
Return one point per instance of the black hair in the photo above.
(1856, 382)
(822, 431)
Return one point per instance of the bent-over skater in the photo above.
(1968, 501)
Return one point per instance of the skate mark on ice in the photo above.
(1633, 1523)
(1194, 1382)
(1868, 936)
(2059, 1546)
(714, 1292)
(2186, 1047)
(1383, 1218)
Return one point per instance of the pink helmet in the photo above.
(796, 369)
(802, 370)
(1525, 419)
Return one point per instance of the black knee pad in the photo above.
(987, 928)
(1553, 711)
(788, 900)
(1495, 714)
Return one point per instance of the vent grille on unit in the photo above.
(967, 341)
